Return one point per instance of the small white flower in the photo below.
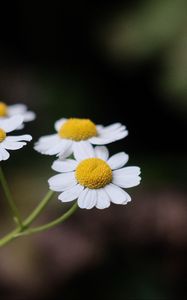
(11, 142)
(7, 111)
(72, 132)
(93, 178)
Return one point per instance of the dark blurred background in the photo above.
(108, 61)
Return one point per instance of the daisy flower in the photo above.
(73, 132)
(8, 142)
(93, 178)
(14, 110)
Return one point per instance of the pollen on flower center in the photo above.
(78, 129)
(3, 109)
(2, 135)
(93, 173)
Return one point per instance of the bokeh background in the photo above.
(108, 61)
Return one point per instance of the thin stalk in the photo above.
(24, 231)
(10, 201)
(37, 211)
(29, 220)
(52, 224)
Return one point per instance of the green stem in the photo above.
(37, 211)
(52, 224)
(24, 231)
(12, 205)
(9, 237)
(29, 220)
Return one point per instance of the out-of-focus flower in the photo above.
(11, 142)
(93, 178)
(74, 132)
(7, 111)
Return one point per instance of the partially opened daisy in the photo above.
(93, 178)
(71, 132)
(8, 142)
(14, 110)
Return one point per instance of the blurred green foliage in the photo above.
(149, 29)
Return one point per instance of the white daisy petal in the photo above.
(71, 194)
(127, 181)
(13, 145)
(101, 152)
(116, 194)
(56, 149)
(81, 200)
(112, 127)
(1, 157)
(11, 123)
(66, 149)
(52, 138)
(83, 150)
(67, 165)
(99, 127)
(21, 109)
(121, 135)
(109, 134)
(118, 160)
(17, 138)
(59, 123)
(128, 171)
(29, 116)
(61, 182)
(20, 127)
(127, 177)
(114, 135)
(4, 155)
(103, 200)
(99, 140)
(66, 153)
(16, 109)
(87, 199)
(90, 199)
(128, 198)
(45, 142)
(52, 145)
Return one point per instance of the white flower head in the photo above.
(93, 178)
(11, 142)
(7, 111)
(71, 133)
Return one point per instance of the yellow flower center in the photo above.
(2, 135)
(93, 173)
(78, 129)
(3, 109)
